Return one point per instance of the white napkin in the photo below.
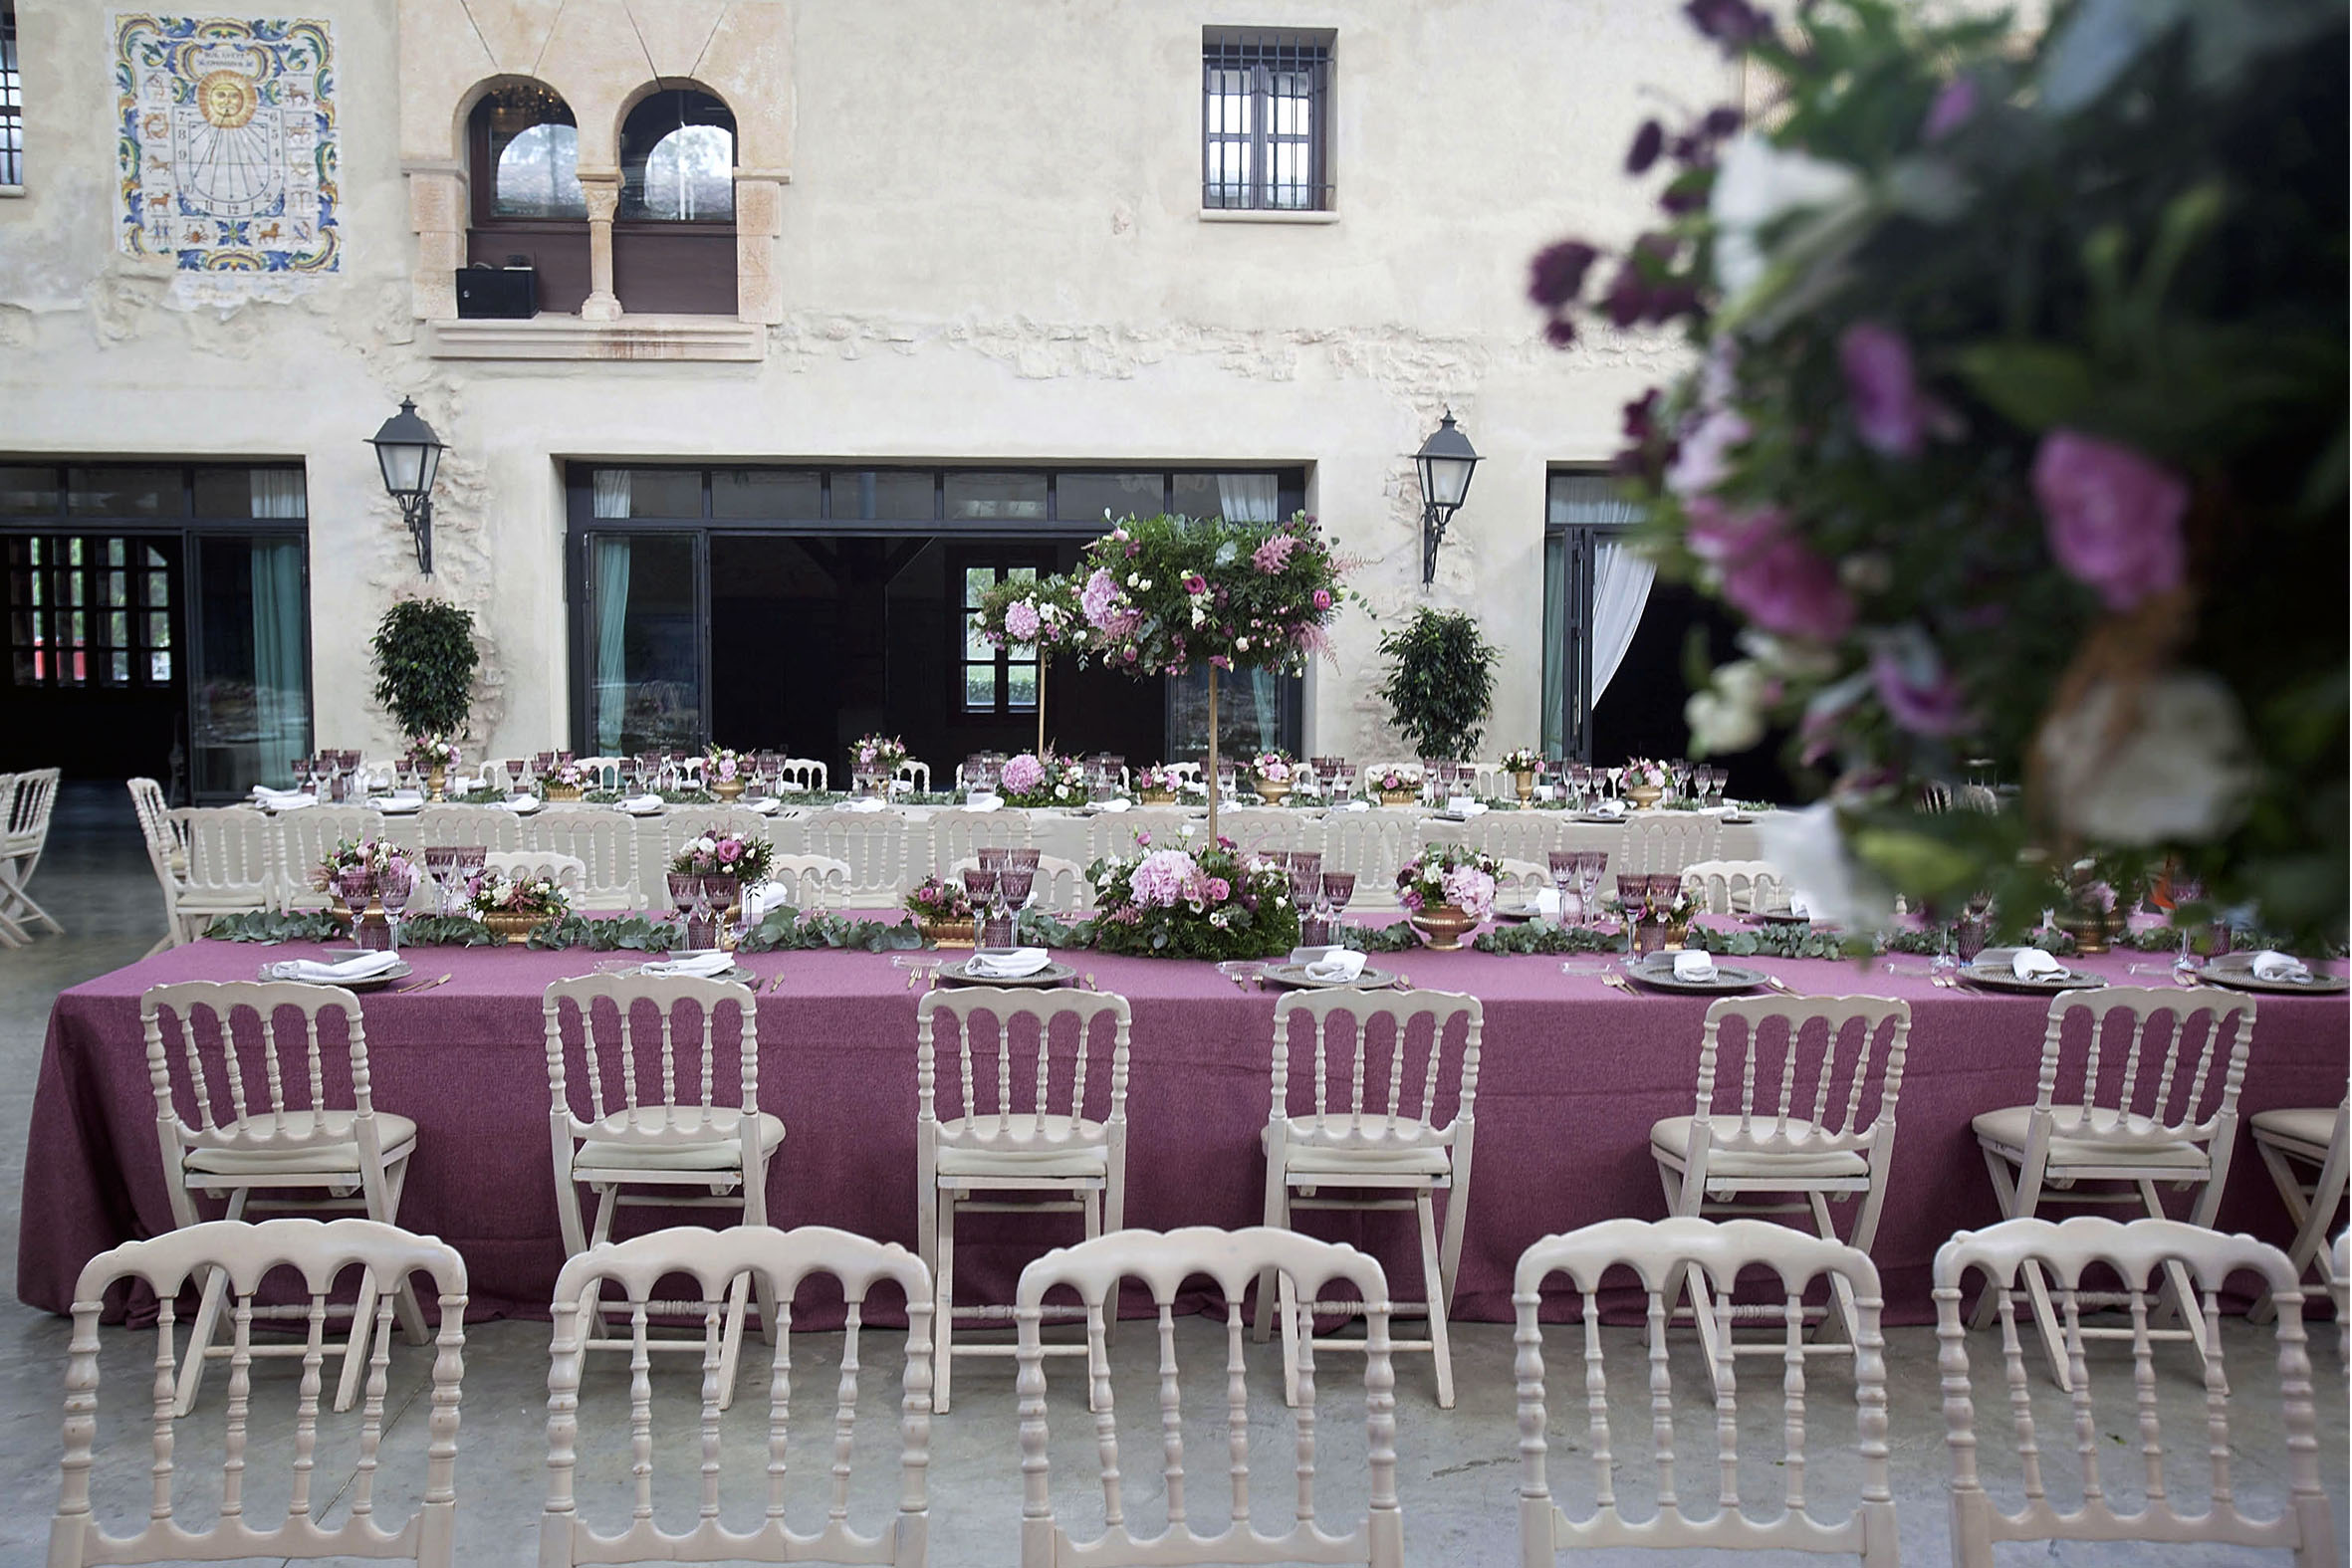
(641, 804)
(265, 792)
(790, 787)
(1798, 904)
(1340, 964)
(2270, 963)
(1358, 805)
(1117, 803)
(287, 803)
(866, 805)
(1548, 902)
(701, 966)
(1465, 805)
(318, 974)
(1608, 808)
(1011, 964)
(762, 803)
(1694, 965)
(2030, 963)
(977, 801)
(757, 901)
(523, 804)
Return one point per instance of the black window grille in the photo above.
(1264, 121)
(12, 103)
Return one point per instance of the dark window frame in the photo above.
(12, 100)
(1575, 632)
(961, 560)
(1274, 63)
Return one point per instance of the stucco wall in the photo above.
(992, 250)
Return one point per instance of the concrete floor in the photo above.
(1458, 1470)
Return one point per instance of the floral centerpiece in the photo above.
(724, 768)
(877, 755)
(1031, 613)
(1158, 785)
(1272, 775)
(944, 911)
(1447, 890)
(1645, 782)
(436, 754)
(713, 853)
(1031, 780)
(1397, 783)
(380, 857)
(2015, 432)
(513, 906)
(1210, 903)
(1523, 762)
(565, 783)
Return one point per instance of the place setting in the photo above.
(2021, 971)
(2271, 972)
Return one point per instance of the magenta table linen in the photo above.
(1572, 1075)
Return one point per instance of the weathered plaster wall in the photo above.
(992, 249)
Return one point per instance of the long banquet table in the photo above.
(1572, 1075)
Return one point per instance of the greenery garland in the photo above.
(784, 929)
(266, 925)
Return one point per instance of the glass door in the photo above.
(249, 675)
(646, 631)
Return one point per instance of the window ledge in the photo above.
(1264, 215)
(632, 338)
(11, 190)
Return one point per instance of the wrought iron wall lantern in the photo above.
(1446, 461)
(410, 456)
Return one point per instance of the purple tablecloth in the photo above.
(1572, 1075)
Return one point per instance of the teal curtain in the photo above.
(280, 658)
(608, 566)
(1556, 645)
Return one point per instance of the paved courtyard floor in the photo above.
(1458, 1470)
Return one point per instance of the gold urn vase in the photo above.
(1443, 926)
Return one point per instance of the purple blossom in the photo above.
(1720, 532)
(1021, 621)
(2113, 516)
(1270, 556)
(1783, 586)
(1556, 275)
(1953, 107)
(1023, 774)
(1322, 598)
(1936, 708)
(1646, 144)
(1734, 24)
(1705, 456)
(1889, 412)
(1100, 597)
(1164, 878)
(1195, 584)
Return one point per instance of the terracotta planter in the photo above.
(1158, 796)
(729, 791)
(1270, 792)
(1399, 797)
(1645, 797)
(1443, 926)
(1525, 785)
(949, 933)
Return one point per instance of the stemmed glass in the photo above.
(303, 769)
(439, 862)
(1225, 773)
(1339, 889)
(1305, 868)
(398, 886)
(1013, 886)
(1591, 864)
(1343, 776)
(1566, 864)
(356, 885)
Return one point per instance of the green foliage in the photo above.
(425, 666)
(1789, 941)
(1441, 681)
(1170, 593)
(629, 933)
(446, 931)
(262, 924)
(784, 929)
(1399, 937)
(1541, 935)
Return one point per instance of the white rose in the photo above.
(1757, 183)
(1241, 644)
(2179, 769)
(1728, 715)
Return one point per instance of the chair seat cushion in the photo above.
(1308, 1153)
(1065, 1147)
(2312, 1126)
(1672, 1136)
(720, 1153)
(2006, 1130)
(333, 1151)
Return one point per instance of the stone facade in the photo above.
(966, 233)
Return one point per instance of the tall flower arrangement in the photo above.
(2015, 432)
(1026, 614)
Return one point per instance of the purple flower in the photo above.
(1099, 597)
(1270, 556)
(1219, 890)
(1021, 621)
(1719, 533)
(1023, 774)
(1556, 275)
(1647, 142)
(1889, 412)
(2113, 516)
(1936, 708)
(1784, 587)
(1194, 582)
(1734, 24)
(1322, 598)
(1705, 455)
(1953, 107)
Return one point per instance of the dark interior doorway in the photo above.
(1641, 714)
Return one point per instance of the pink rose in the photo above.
(1889, 413)
(730, 850)
(1194, 582)
(1219, 890)
(2113, 516)
(1322, 598)
(1783, 586)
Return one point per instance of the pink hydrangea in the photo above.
(2113, 516)
(1270, 556)
(1099, 598)
(1784, 587)
(1164, 878)
(1023, 774)
(1021, 621)
(1469, 890)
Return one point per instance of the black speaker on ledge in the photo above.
(486, 293)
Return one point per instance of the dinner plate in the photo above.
(1600, 818)
(1517, 909)
(2235, 972)
(1293, 977)
(957, 973)
(2006, 979)
(1779, 917)
(402, 968)
(1729, 979)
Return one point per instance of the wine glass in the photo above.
(1566, 865)
(1225, 773)
(1344, 780)
(439, 862)
(683, 885)
(1590, 864)
(1014, 883)
(1339, 889)
(979, 883)
(356, 885)
(398, 886)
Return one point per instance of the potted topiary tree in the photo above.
(1441, 681)
(424, 670)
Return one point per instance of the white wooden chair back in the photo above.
(232, 856)
(1372, 845)
(596, 772)
(1379, 1080)
(1659, 1252)
(605, 842)
(1112, 835)
(1231, 1259)
(263, 1088)
(1667, 841)
(642, 1052)
(1799, 1076)
(1724, 887)
(915, 775)
(2339, 1286)
(958, 834)
(1186, 772)
(320, 1253)
(875, 845)
(690, 823)
(568, 872)
(1061, 887)
(1269, 829)
(806, 771)
(1524, 877)
(1027, 1091)
(1517, 836)
(2141, 1253)
(811, 881)
(778, 1261)
(28, 818)
(168, 854)
(2107, 1074)
(468, 826)
(306, 837)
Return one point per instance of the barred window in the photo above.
(1265, 120)
(12, 103)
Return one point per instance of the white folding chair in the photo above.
(1369, 1129)
(603, 841)
(915, 775)
(690, 1140)
(568, 872)
(2291, 1140)
(1269, 829)
(2148, 1257)
(1522, 876)
(306, 837)
(231, 864)
(1025, 1138)
(1736, 887)
(279, 1144)
(243, 1255)
(958, 836)
(1812, 1122)
(24, 833)
(1231, 1259)
(780, 1260)
(1516, 835)
(167, 856)
(2142, 1120)
(1667, 841)
(1660, 1252)
(876, 846)
(806, 771)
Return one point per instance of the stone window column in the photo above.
(602, 187)
(759, 224)
(436, 210)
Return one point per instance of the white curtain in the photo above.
(610, 490)
(1621, 580)
(278, 492)
(281, 706)
(1255, 498)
